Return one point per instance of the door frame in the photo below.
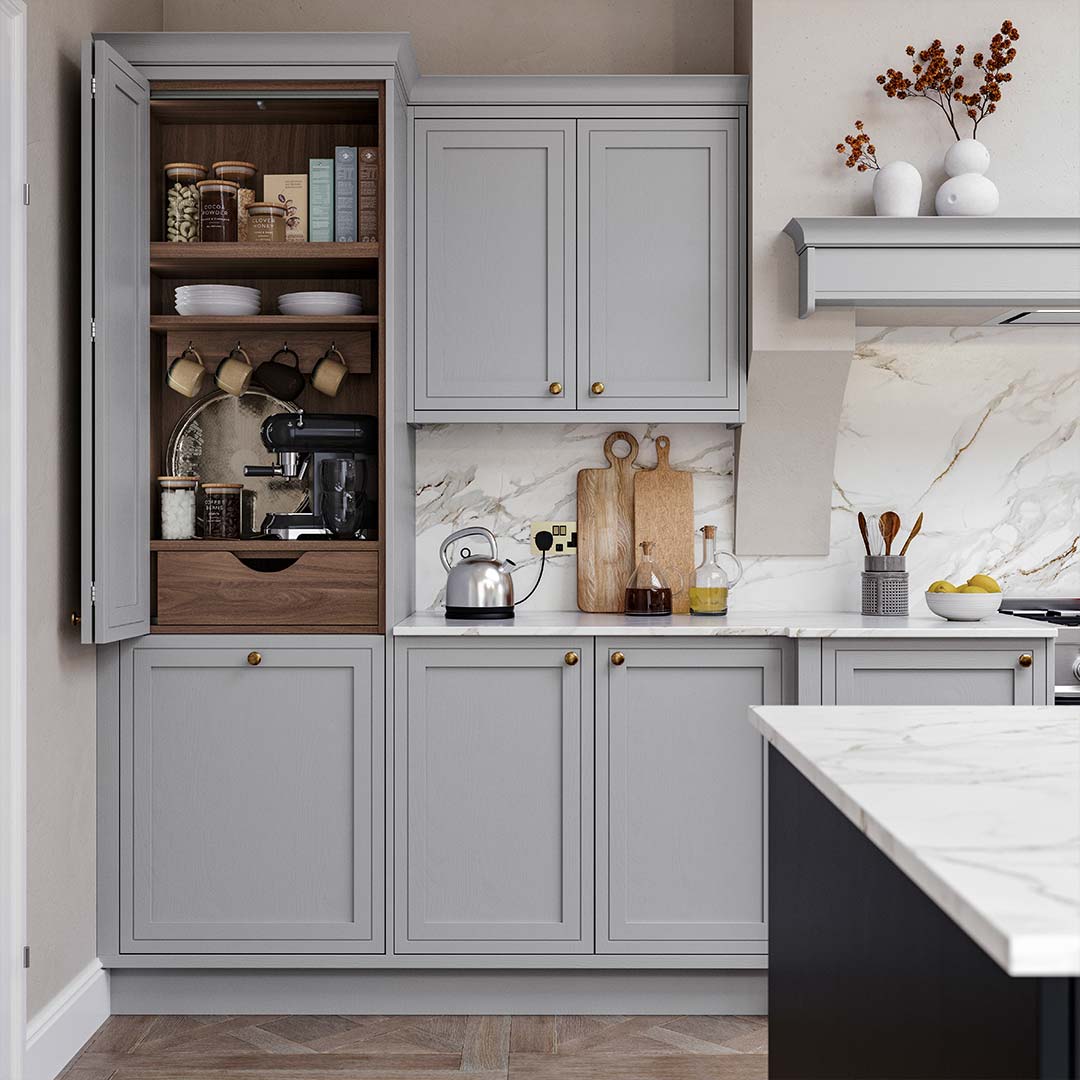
(13, 291)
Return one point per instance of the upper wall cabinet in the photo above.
(589, 267)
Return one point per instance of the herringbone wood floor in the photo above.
(425, 1048)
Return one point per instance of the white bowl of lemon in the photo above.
(978, 598)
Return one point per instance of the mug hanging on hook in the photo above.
(275, 376)
(233, 374)
(329, 371)
(186, 374)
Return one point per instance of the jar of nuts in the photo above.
(182, 201)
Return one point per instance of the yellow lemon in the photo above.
(971, 589)
(985, 582)
(942, 586)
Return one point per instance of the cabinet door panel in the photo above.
(116, 363)
(866, 673)
(660, 242)
(256, 796)
(494, 289)
(493, 803)
(680, 812)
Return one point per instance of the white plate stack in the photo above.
(320, 303)
(218, 300)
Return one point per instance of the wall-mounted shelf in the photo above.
(249, 260)
(938, 262)
(163, 324)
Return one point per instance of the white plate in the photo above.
(217, 309)
(221, 294)
(217, 288)
(318, 294)
(329, 309)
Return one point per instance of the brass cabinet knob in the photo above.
(76, 618)
(555, 388)
(1025, 659)
(571, 658)
(618, 659)
(254, 658)
(597, 387)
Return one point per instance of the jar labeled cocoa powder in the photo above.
(241, 173)
(218, 210)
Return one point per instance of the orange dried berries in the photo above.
(861, 152)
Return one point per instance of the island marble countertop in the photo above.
(829, 624)
(979, 806)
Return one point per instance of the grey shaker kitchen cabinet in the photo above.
(493, 264)
(680, 778)
(251, 796)
(493, 774)
(987, 672)
(115, 334)
(660, 265)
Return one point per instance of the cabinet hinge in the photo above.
(93, 85)
(93, 592)
(26, 194)
(26, 956)
(93, 330)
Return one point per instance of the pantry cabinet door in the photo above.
(494, 265)
(661, 242)
(493, 792)
(680, 778)
(115, 331)
(251, 813)
(934, 673)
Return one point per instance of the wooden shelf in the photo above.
(288, 260)
(163, 324)
(267, 547)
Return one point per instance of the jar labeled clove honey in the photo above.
(266, 222)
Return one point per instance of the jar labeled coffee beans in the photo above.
(218, 210)
(222, 511)
(182, 201)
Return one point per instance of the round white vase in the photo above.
(968, 192)
(897, 190)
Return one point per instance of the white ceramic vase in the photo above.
(897, 190)
(967, 192)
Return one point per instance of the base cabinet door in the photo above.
(251, 797)
(493, 795)
(680, 773)
(934, 672)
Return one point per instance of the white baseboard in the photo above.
(64, 1026)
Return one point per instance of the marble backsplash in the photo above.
(978, 427)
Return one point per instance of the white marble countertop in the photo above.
(979, 806)
(831, 624)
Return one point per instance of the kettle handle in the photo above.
(472, 530)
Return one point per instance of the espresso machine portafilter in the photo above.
(301, 443)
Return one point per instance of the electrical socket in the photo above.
(565, 533)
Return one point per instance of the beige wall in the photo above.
(814, 67)
(61, 671)
(505, 37)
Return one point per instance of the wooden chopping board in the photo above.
(664, 514)
(605, 520)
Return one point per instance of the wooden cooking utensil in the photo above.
(605, 515)
(664, 514)
(890, 526)
(915, 530)
(862, 530)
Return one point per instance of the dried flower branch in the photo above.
(861, 152)
(940, 80)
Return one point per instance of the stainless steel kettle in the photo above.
(477, 586)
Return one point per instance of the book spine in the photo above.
(345, 194)
(368, 159)
(320, 199)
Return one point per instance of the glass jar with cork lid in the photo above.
(241, 173)
(181, 196)
(217, 210)
(266, 223)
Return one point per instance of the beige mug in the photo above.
(234, 372)
(329, 372)
(187, 375)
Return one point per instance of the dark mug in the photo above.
(278, 378)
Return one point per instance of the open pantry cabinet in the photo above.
(137, 581)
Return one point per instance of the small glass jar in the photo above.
(178, 506)
(182, 217)
(217, 210)
(243, 174)
(222, 511)
(266, 222)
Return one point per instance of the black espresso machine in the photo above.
(336, 455)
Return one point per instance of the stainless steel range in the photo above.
(1065, 615)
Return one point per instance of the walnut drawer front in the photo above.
(225, 588)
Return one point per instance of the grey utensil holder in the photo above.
(884, 585)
